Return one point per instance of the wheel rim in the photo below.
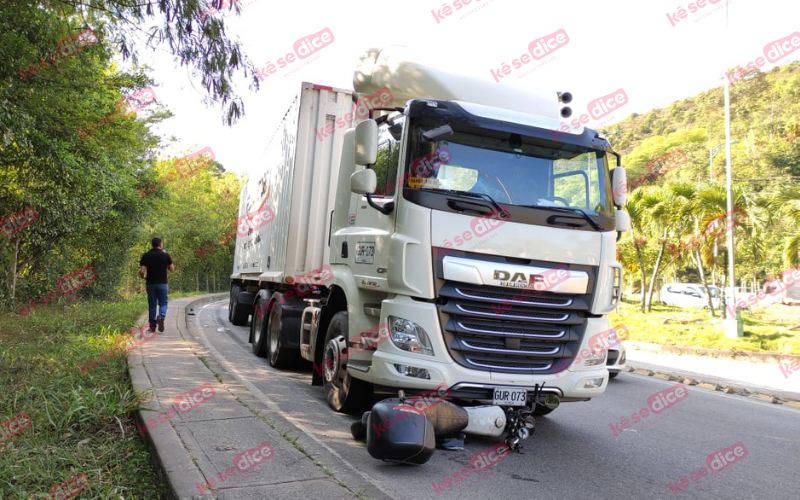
(258, 321)
(274, 333)
(335, 374)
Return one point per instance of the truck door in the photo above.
(369, 238)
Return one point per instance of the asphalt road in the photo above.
(579, 450)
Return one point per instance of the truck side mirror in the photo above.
(366, 142)
(363, 182)
(623, 220)
(619, 185)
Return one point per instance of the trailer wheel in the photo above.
(258, 336)
(344, 393)
(279, 357)
(234, 292)
(241, 307)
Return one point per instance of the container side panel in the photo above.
(320, 138)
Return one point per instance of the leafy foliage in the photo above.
(82, 185)
(196, 39)
(765, 112)
(186, 213)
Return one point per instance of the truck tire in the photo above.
(241, 307)
(344, 393)
(279, 357)
(234, 292)
(258, 329)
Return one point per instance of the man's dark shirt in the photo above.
(156, 261)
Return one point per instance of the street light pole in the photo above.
(713, 152)
(732, 326)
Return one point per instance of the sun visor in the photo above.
(408, 75)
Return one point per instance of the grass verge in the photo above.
(775, 329)
(81, 423)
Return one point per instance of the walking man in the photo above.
(155, 263)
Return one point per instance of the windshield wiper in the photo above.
(570, 210)
(467, 194)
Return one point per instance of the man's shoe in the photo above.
(151, 329)
(160, 321)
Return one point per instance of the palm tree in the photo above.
(667, 207)
(629, 266)
(636, 208)
(759, 218)
(789, 199)
(710, 206)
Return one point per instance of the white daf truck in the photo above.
(430, 229)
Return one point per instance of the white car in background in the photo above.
(789, 295)
(688, 295)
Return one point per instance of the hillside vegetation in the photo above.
(678, 218)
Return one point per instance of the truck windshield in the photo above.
(512, 170)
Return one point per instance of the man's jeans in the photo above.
(157, 294)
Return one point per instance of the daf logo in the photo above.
(518, 277)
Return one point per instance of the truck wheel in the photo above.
(241, 307)
(234, 292)
(542, 410)
(279, 357)
(344, 393)
(258, 328)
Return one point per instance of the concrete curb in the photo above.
(752, 357)
(774, 397)
(175, 466)
(345, 473)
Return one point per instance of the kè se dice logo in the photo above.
(191, 399)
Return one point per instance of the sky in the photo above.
(658, 52)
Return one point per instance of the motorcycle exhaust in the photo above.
(486, 420)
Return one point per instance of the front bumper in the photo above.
(616, 360)
(569, 384)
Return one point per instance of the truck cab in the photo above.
(476, 248)
(469, 244)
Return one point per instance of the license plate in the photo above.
(510, 396)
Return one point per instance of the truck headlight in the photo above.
(409, 336)
(595, 359)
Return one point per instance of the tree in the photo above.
(80, 186)
(788, 201)
(195, 36)
(766, 168)
(193, 212)
(665, 208)
(636, 208)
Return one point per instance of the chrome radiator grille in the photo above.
(500, 329)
